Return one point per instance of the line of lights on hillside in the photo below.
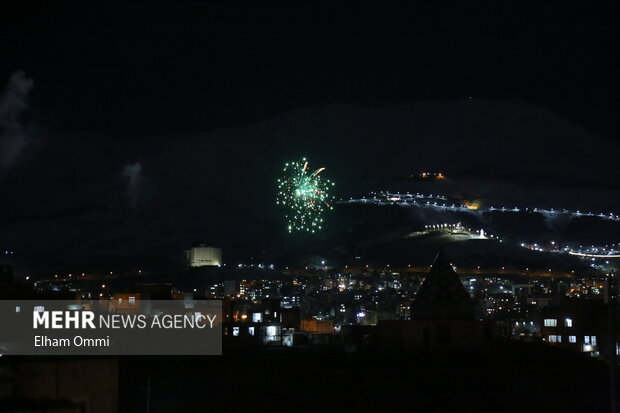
(440, 202)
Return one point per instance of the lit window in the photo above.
(593, 340)
(257, 317)
(120, 300)
(568, 322)
(235, 331)
(132, 300)
(572, 339)
(251, 331)
(586, 339)
(550, 322)
(555, 339)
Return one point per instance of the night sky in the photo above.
(136, 129)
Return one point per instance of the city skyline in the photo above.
(309, 206)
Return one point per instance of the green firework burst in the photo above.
(304, 195)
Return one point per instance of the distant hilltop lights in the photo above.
(590, 254)
(608, 251)
(582, 254)
(441, 202)
(428, 175)
(444, 227)
(459, 229)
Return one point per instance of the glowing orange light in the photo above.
(472, 205)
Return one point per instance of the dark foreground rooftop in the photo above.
(509, 378)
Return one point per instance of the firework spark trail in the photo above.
(304, 196)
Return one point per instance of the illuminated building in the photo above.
(317, 326)
(577, 324)
(125, 303)
(202, 255)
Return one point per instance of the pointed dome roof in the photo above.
(442, 294)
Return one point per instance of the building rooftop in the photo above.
(442, 295)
